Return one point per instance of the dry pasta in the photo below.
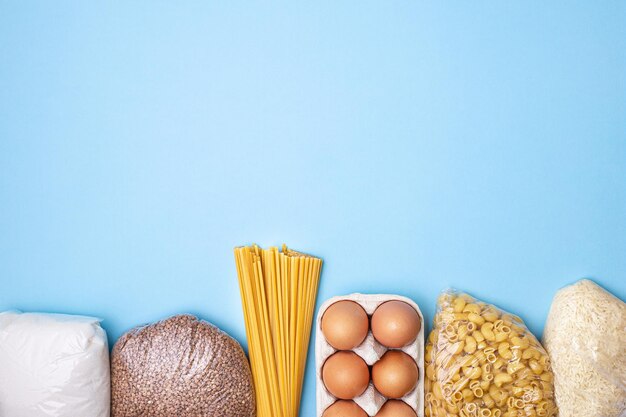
(585, 336)
(484, 362)
(278, 292)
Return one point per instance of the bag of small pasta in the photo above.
(483, 362)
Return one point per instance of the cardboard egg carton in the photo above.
(371, 351)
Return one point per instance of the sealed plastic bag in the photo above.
(585, 336)
(53, 365)
(180, 366)
(483, 362)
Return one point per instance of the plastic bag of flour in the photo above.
(585, 336)
(53, 365)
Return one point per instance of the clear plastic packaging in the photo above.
(180, 366)
(53, 365)
(585, 336)
(483, 362)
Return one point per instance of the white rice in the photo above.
(585, 336)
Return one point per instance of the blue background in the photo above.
(412, 145)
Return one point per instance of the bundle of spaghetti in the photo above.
(278, 292)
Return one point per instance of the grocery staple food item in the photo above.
(395, 324)
(343, 408)
(278, 292)
(345, 325)
(345, 375)
(395, 374)
(181, 366)
(585, 336)
(396, 408)
(396, 385)
(482, 361)
(53, 365)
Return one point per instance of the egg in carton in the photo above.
(371, 351)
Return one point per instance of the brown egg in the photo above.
(395, 324)
(345, 375)
(343, 408)
(345, 325)
(395, 374)
(396, 408)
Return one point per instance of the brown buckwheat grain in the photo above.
(180, 367)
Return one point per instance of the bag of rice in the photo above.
(483, 362)
(53, 365)
(180, 366)
(585, 336)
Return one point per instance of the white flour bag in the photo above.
(53, 365)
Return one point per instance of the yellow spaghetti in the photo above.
(278, 291)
